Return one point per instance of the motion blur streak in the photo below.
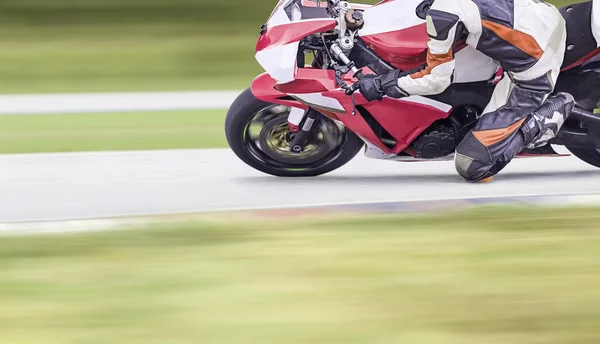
(33, 104)
(524, 276)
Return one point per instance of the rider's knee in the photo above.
(470, 169)
(472, 160)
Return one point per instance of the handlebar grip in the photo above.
(359, 74)
(353, 88)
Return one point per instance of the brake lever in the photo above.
(349, 90)
(353, 104)
(353, 88)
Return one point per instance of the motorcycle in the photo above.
(303, 118)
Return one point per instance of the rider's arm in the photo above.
(436, 76)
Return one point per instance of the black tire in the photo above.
(591, 155)
(588, 155)
(238, 121)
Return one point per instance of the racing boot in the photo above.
(545, 122)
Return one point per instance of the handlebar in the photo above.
(339, 54)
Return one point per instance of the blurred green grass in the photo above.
(491, 275)
(110, 45)
(129, 45)
(112, 131)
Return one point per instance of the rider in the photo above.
(527, 39)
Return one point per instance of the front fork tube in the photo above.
(301, 123)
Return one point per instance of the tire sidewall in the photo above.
(590, 156)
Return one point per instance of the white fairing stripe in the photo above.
(279, 62)
(391, 16)
(373, 152)
(360, 6)
(596, 21)
(431, 102)
(319, 99)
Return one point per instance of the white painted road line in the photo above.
(25, 104)
(52, 187)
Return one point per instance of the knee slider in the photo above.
(462, 164)
(471, 169)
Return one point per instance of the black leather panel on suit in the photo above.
(443, 22)
(498, 11)
(510, 57)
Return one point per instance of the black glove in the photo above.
(375, 87)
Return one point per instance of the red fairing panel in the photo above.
(263, 88)
(309, 80)
(404, 49)
(356, 123)
(293, 32)
(314, 81)
(404, 120)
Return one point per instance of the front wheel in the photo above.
(258, 134)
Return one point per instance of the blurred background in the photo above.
(129, 45)
(134, 45)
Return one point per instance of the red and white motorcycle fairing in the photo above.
(394, 31)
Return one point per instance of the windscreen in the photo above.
(306, 9)
(293, 10)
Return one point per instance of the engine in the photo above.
(442, 138)
(437, 141)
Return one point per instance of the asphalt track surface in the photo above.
(73, 186)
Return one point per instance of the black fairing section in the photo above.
(583, 85)
(476, 94)
(580, 40)
(365, 57)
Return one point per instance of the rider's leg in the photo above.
(497, 138)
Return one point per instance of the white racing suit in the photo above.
(527, 39)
